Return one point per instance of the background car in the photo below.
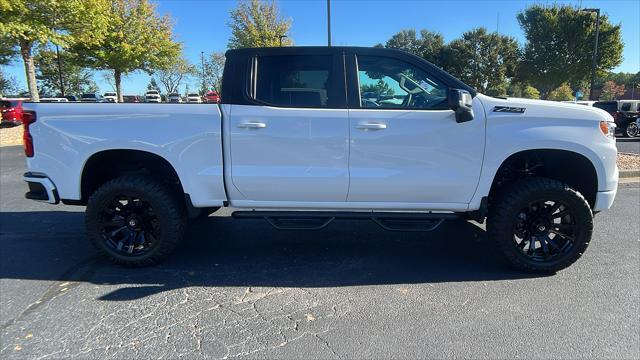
(624, 112)
(212, 97)
(194, 98)
(152, 96)
(54, 99)
(71, 98)
(131, 98)
(11, 112)
(174, 98)
(91, 97)
(111, 96)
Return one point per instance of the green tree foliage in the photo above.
(612, 91)
(521, 90)
(380, 88)
(559, 47)
(27, 23)
(561, 93)
(153, 84)
(213, 68)
(428, 45)
(257, 23)
(481, 59)
(76, 79)
(172, 76)
(136, 38)
(8, 84)
(8, 50)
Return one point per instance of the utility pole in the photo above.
(204, 89)
(595, 52)
(329, 22)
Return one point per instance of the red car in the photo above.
(212, 97)
(11, 112)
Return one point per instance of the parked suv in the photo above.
(212, 97)
(625, 114)
(131, 98)
(174, 98)
(91, 97)
(11, 112)
(111, 96)
(194, 98)
(152, 96)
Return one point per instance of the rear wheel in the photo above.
(540, 225)
(134, 220)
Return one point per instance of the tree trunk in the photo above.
(117, 75)
(30, 70)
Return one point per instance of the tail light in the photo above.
(28, 118)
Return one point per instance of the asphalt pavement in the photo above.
(627, 145)
(239, 288)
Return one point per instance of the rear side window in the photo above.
(294, 81)
(626, 107)
(608, 106)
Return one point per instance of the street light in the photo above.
(329, 22)
(203, 76)
(595, 51)
(281, 37)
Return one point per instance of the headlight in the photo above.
(608, 128)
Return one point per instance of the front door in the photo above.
(293, 143)
(406, 146)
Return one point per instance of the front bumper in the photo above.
(41, 188)
(604, 200)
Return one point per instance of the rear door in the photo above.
(291, 142)
(406, 146)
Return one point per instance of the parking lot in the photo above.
(242, 289)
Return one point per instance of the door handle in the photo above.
(371, 126)
(252, 125)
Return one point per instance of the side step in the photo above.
(316, 220)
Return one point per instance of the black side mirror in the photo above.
(461, 102)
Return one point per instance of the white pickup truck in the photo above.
(305, 135)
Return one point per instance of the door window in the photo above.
(294, 81)
(388, 83)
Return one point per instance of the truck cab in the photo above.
(305, 135)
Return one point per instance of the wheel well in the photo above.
(569, 167)
(107, 165)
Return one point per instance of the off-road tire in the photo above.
(167, 208)
(504, 209)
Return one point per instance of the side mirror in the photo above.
(461, 102)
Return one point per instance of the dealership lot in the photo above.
(242, 289)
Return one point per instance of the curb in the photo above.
(629, 173)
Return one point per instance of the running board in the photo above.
(316, 220)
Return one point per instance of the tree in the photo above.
(77, 79)
(521, 90)
(213, 68)
(27, 23)
(8, 84)
(611, 91)
(257, 23)
(173, 75)
(380, 89)
(136, 38)
(562, 93)
(481, 59)
(153, 85)
(428, 45)
(559, 47)
(8, 50)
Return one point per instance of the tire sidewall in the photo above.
(101, 199)
(584, 229)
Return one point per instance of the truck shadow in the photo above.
(220, 251)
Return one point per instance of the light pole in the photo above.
(203, 76)
(329, 22)
(595, 51)
(281, 37)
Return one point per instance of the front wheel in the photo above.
(134, 220)
(540, 225)
(632, 130)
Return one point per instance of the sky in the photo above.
(202, 25)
